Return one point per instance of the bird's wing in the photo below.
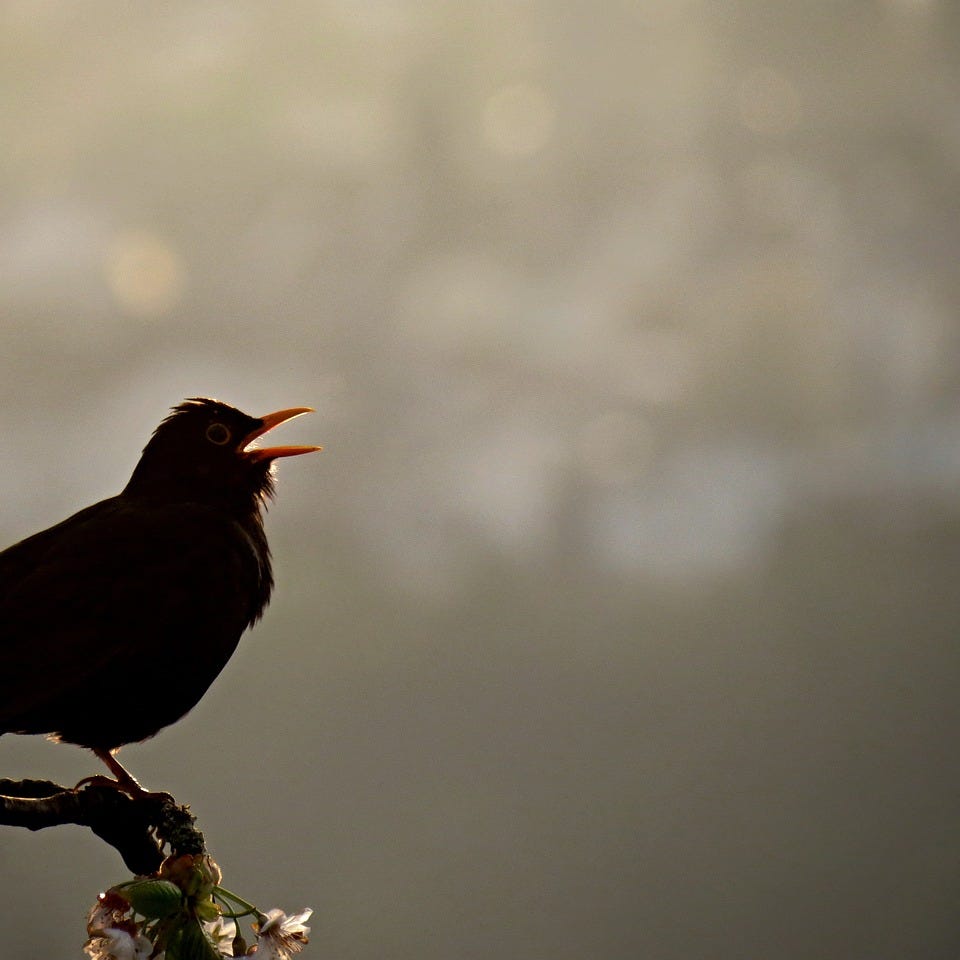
(110, 590)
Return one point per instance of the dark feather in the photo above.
(114, 623)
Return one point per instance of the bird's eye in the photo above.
(219, 434)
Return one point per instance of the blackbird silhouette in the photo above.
(115, 622)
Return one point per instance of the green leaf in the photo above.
(194, 944)
(154, 898)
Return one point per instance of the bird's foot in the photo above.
(129, 786)
(100, 780)
(124, 782)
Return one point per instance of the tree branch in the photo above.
(136, 827)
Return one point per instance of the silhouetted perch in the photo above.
(136, 827)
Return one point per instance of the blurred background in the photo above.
(619, 617)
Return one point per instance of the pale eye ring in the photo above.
(219, 434)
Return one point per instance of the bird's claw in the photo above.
(127, 785)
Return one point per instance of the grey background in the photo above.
(618, 617)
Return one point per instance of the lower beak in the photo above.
(268, 422)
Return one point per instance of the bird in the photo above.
(115, 621)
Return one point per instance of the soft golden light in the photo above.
(518, 120)
(145, 274)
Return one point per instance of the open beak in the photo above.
(268, 422)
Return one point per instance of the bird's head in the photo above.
(205, 452)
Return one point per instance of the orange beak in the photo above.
(268, 422)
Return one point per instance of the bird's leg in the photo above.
(125, 781)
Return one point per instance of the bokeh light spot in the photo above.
(144, 273)
(518, 120)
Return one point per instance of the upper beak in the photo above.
(268, 422)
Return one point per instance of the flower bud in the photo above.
(195, 874)
(109, 910)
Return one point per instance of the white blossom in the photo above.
(279, 937)
(116, 944)
(221, 933)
